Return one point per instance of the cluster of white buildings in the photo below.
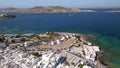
(50, 60)
(90, 52)
(16, 58)
(63, 37)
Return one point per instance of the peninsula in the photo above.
(48, 50)
(48, 9)
(7, 16)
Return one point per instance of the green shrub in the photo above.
(66, 63)
(80, 65)
(36, 54)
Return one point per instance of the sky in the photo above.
(65, 3)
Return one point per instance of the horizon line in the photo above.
(60, 6)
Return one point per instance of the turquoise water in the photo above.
(111, 48)
(105, 25)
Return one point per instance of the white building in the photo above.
(96, 48)
(85, 66)
(52, 43)
(58, 41)
(46, 57)
(63, 38)
(89, 43)
(67, 36)
(90, 52)
(25, 44)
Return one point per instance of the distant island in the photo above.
(113, 11)
(48, 9)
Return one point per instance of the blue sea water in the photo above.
(100, 22)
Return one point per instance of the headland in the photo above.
(7, 16)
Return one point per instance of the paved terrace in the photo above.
(63, 45)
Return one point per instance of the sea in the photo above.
(103, 24)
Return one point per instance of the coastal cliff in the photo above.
(48, 9)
